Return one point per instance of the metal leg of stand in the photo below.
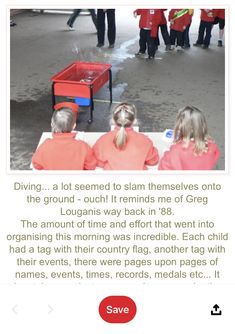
(91, 105)
(53, 95)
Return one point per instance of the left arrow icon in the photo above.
(14, 309)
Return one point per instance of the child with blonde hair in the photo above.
(192, 148)
(63, 151)
(123, 148)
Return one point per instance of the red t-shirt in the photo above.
(184, 158)
(207, 15)
(219, 13)
(162, 16)
(179, 23)
(138, 153)
(64, 152)
(149, 18)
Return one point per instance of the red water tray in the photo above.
(82, 79)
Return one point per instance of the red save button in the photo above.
(117, 309)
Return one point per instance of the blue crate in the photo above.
(82, 101)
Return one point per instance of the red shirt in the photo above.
(63, 152)
(184, 158)
(179, 23)
(207, 15)
(149, 17)
(162, 16)
(219, 13)
(138, 153)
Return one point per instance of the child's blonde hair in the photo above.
(62, 120)
(191, 126)
(124, 115)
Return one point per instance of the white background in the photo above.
(73, 308)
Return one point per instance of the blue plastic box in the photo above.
(82, 101)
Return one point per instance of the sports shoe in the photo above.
(111, 46)
(197, 44)
(70, 27)
(179, 48)
(150, 58)
(99, 45)
(12, 23)
(140, 54)
(205, 46)
(168, 47)
(220, 44)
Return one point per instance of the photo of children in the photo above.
(181, 91)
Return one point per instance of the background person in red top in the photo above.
(63, 151)
(205, 27)
(219, 15)
(148, 31)
(178, 22)
(123, 148)
(192, 148)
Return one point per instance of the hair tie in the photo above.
(123, 115)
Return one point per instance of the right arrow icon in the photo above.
(216, 310)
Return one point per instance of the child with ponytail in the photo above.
(123, 148)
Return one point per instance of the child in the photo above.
(219, 15)
(192, 148)
(178, 22)
(205, 27)
(63, 151)
(123, 148)
(148, 31)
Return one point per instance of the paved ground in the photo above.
(41, 45)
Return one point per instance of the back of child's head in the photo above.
(124, 115)
(191, 126)
(63, 120)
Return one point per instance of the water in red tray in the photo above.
(82, 76)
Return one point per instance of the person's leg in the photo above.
(100, 27)
(165, 34)
(111, 26)
(93, 17)
(179, 39)
(186, 41)
(151, 45)
(221, 32)
(207, 38)
(173, 37)
(142, 41)
(73, 17)
(201, 31)
(157, 42)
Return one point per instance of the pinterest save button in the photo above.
(117, 309)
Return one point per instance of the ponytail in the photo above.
(124, 115)
(121, 138)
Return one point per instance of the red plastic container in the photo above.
(76, 79)
(82, 80)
